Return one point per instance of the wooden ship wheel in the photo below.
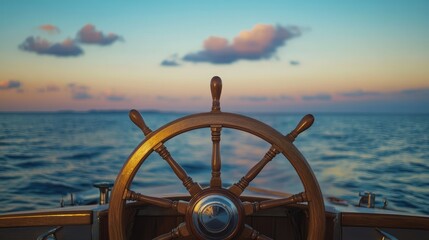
(216, 212)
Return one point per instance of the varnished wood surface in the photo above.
(274, 227)
(370, 233)
(384, 220)
(151, 220)
(216, 181)
(282, 225)
(277, 223)
(46, 219)
(69, 232)
(216, 91)
(303, 125)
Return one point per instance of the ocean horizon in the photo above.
(197, 111)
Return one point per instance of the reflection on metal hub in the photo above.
(215, 217)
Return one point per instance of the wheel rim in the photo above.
(215, 197)
(227, 120)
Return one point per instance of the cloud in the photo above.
(294, 63)
(49, 88)
(51, 29)
(79, 92)
(359, 93)
(254, 98)
(167, 98)
(416, 91)
(115, 98)
(89, 35)
(81, 95)
(318, 97)
(10, 84)
(172, 61)
(264, 98)
(261, 42)
(169, 63)
(196, 98)
(67, 48)
(285, 97)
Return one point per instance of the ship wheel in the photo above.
(216, 212)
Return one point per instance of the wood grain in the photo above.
(384, 221)
(59, 218)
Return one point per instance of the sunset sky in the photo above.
(273, 56)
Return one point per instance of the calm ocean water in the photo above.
(45, 156)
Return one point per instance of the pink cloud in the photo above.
(215, 44)
(49, 28)
(261, 42)
(260, 39)
(88, 34)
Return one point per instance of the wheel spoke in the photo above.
(179, 206)
(250, 233)
(303, 125)
(250, 208)
(238, 188)
(216, 90)
(192, 187)
(179, 231)
(216, 181)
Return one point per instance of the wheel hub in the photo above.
(215, 217)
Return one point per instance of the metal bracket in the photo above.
(367, 199)
(104, 188)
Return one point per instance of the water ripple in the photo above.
(63, 153)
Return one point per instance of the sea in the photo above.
(54, 158)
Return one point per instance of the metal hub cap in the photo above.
(215, 217)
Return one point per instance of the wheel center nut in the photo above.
(215, 217)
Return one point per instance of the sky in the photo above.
(273, 56)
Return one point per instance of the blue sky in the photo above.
(333, 56)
